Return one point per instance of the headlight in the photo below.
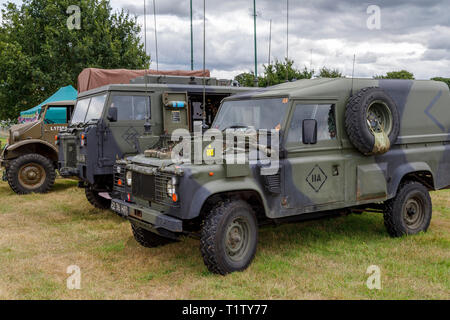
(118, 170)
(171, 186)
(129, 178)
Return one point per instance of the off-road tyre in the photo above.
(96, 200)
(31, 163)
(398, 221)
(356, 125)
(149, 239)
(214, 234)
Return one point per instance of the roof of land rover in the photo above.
(325, 88)
(152, 87)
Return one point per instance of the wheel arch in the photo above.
(246, 190)
(416, 171)
(32, 146)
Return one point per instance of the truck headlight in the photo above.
(171, 186)
(129, 178)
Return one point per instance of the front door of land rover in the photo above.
(314, 177)
(121, 136)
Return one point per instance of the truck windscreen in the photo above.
(88, 109)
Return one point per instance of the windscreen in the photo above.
(257, 114)
(88, 109)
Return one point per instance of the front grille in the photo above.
(70, 154)
(143, 186)
(152, 188)
(119, 175)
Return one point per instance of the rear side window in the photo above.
(131, 107)
(325, 116)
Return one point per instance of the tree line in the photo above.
(283, 71)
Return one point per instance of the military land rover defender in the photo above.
(30, 156)
(344, 146)
(109, 123)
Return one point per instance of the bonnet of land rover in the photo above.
(344, 146)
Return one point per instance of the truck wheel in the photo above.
(96, 200)
(31, 173)
(149, 239)
(409, 212)
(229, 237)
(369, 114)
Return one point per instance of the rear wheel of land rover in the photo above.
(410, 211)
(149, 239)
(229, 237)
(372, 121)
(31, 173)
(96, 200)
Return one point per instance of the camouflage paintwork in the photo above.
(36, 137)
(108, 141)
(329, 175)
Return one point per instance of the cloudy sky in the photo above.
(413, 35)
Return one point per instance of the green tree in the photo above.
(446, 80)
(329, 73)
(403, 74)
(39, 53)
(275, 74)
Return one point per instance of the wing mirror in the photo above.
(112, 114)
(309, 131)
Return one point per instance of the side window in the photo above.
(56, 115)
(325, 116)
(131, 107)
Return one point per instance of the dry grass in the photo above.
(41, 235)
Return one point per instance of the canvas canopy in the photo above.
(92, 78)
(63, 94)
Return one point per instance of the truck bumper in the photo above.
(146, 218)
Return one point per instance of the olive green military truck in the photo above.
(30, 156)
(344, 146)
(109, 123)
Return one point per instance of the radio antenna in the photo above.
(270, 41)
(147, 124)
(204, 63)
(156, 35)
(353, 73)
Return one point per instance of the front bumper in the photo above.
(146, 218)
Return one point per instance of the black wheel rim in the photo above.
(414, 212)
(237, 239)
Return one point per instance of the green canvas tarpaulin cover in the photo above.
(63, 94)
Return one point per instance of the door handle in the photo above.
(335, 170)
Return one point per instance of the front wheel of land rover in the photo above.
(229, 237)
(96, 200)
(149, 239)
(410, 211)
(31, 173)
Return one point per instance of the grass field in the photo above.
(41, 235)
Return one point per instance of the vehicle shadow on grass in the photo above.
(323, 236)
